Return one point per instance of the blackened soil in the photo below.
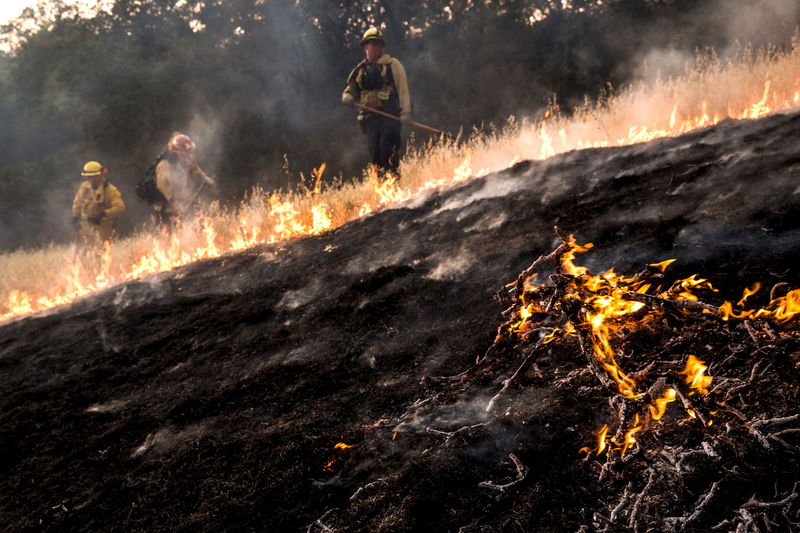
(210, 398)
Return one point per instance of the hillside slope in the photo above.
(211, 397)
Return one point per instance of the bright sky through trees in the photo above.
(12, 8)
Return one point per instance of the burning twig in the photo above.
(689, 405)
(522, 472)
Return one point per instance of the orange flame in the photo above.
(695, 378)
(629, 440)
(662, 266)
(284, 218)
(660, 407)
(602, 435)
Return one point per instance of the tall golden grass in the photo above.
(750, 85)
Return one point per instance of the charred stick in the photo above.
(782, 442)
(769, 331)
(497, 340)
(638, 504)
(774, 291)
(761, 438)
(624, 502)
(321, 524)
(788, 432)
(685, 306)
(365, 487)
(450, 434)
(775, 422)
(447, 379)
(624, 417)
(725, 524)
(755, 504)
(573, 312)
(754, 374)
(689, 406)
(525, 274)
(750, 331)
(639, 375)
(508, 382)
(749, 523)
(709, 449)
(522, 472)
(702, 505)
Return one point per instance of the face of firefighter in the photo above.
(97, 180)
(373, 50)
(184, 159)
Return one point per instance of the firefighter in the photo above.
(179, 178)
(379, 81)
(96, 207)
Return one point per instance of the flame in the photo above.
(695, 378)
(317, 173)
(602, 435)
(660, 407)
(463, 171)
(629, 440)
(662, 266)
(337, 448)
(748, 292)
(763, 86)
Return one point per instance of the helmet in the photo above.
(93, 168)
(180, 144)
(373, 34)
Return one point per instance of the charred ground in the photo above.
(211, 397)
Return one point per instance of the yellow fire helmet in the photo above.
(373, 34)
(93, 168)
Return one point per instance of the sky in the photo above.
(11, 8)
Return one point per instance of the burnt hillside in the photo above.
(211, 397)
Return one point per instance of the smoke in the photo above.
(166, 439)
(759, 22)
(449, 265)
(467, 411)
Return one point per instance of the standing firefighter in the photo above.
(179, 179)
(379, 81)
(96, 207)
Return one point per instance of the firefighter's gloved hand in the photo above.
(405, 118)
(96, 218)
(348, 100)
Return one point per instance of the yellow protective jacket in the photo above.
(382, 85)
(180, 184)
(90, 202)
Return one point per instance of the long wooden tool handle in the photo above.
(389, 115)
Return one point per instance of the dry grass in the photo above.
(748, 86)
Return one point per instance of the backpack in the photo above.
(147, 189)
